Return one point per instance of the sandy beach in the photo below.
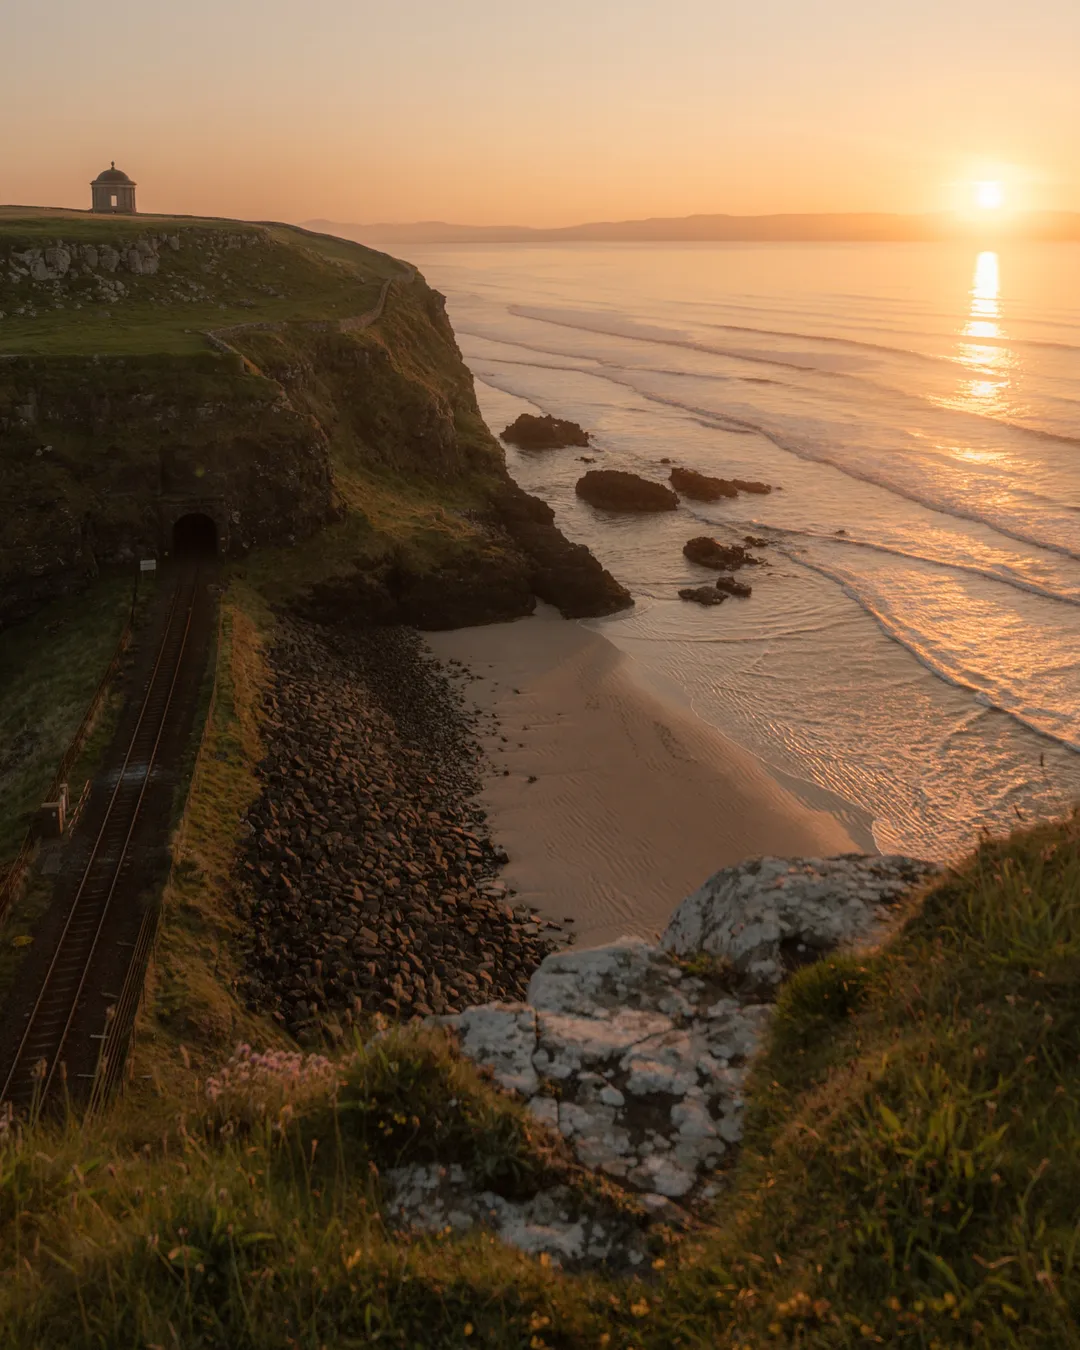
(613, 802)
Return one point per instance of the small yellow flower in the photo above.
(659, 1263)
(468, 1328)
(537, 1322)
(641, 1308)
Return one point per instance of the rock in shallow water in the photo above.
(708, 552)
(702, 595)
(615, 490)
(699, 487)
(544, 433)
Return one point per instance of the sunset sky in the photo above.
(499, 111)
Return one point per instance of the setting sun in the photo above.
(989, 195)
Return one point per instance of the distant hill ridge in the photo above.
(859, 227)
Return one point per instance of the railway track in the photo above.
(74, 1031)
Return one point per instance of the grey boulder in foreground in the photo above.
(771, 915)
(639, 1062)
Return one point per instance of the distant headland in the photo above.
(857, 227)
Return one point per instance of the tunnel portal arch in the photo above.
(195, 535)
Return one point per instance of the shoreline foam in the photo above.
(613, 802)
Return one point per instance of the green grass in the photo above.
(50, 668)
(241, 1229)
(287, 275)
(911, 1175)
(191, 1017)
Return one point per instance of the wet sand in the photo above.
(635, 800)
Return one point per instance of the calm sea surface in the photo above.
(914, 647)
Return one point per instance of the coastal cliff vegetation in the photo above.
(301, 390)
(909, 1174)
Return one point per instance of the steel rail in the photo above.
(72, 943)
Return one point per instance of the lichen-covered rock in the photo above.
(770, 915)
(556, 1222)
(638, 1060)
(637, 1063)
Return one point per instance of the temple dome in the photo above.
(112, 175)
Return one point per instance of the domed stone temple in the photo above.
(113, 192)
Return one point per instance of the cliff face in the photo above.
(101, 456)
(274, 427)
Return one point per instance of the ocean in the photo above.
(912, 650)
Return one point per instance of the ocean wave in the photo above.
(729, 422)
(936, 659)
(666, 339)
(989, 573)
(942, 334)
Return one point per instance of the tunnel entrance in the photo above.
(195, 536)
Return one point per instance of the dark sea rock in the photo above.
(732, 587)
(755, 541)
(702, 595)
(699, 487)
(711, 553)
(616, 490)
(560, 573)
(544, 433)
(751, 485)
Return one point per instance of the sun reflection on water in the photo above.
(986, 391)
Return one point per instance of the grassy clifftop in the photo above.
(77, 284)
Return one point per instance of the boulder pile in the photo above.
(369, 880)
